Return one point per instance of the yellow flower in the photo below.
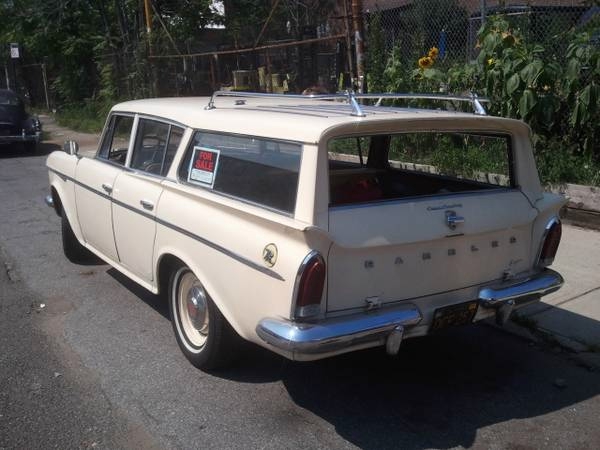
(490, 61)
(433, 52)
(425, 62)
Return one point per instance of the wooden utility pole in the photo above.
(148, 15)
(153, 69)
(357, 22)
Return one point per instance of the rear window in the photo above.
(256, 170)
(383, 167)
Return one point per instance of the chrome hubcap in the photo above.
(196, 307)
(193, 308)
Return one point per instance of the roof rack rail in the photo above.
(352, 98)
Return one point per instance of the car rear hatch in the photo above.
(413, 213)
(389, 252)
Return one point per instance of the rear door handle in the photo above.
(147, 204)
(107, 187)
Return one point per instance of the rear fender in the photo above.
(548, 207)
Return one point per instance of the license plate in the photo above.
(454, 315)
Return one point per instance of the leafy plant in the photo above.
(557, 95)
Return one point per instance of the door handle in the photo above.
(452, 220)
(107, 187)
(147, 204)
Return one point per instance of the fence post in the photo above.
(357, 21)
(482, 8)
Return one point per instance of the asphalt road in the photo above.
(97, 367)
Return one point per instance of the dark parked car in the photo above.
(15, 124)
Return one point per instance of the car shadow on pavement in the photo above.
(17, 150)
(440, 391)
(437, 393)
(156, 302)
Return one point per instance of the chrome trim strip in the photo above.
(231, 254)
(298, 341)
(539, 284)
(220, 249)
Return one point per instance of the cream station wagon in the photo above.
(312, 225)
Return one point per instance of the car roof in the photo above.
(293, 119)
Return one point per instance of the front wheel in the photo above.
(203, 334)
(74, 251)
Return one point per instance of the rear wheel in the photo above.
(203, 334)
(74, 251)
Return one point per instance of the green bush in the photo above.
(557, 95)
(88, 118)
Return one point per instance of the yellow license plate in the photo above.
(454, 315)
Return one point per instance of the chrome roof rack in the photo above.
(352, 98)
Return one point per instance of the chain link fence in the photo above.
(414, 26)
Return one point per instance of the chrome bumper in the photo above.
(505, 296)
(307, 341)
(21, 138)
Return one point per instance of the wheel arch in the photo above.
(168, 261)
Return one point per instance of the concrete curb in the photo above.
(576, 351)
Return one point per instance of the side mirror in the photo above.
(71, 147)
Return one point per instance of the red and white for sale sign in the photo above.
(203, 166)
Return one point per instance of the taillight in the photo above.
(309, 285)
(552, 236)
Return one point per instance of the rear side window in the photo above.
(260, 171)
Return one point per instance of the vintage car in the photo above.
(16, 126)
(312, 226)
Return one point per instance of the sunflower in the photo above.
(433, 52)
(425, 62)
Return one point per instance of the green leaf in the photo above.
(532, 71)
(527, 103)
(513, 84)
(576, 115)
(586, 95)
(573, 69)
(547, 110)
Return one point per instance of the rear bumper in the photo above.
(309, 341)
(539, 284)
(504, 297)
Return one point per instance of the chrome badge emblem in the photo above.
(269, 255)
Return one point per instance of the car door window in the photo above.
(150, 146)
(116, 140)
(155, 146)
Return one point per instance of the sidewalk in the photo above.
(571, 316)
